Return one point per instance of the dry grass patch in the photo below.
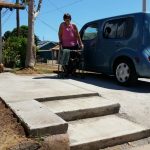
(40, 68)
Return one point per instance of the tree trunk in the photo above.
(31, 53)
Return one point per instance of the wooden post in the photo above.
(0, 35)
(17, 18)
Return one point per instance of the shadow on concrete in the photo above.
(47, 77)
(109, 82)
(106, 81)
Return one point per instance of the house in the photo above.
(44, 52)
(55, 52)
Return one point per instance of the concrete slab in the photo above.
(23, 88)
(37, 119)
(144, 147)
(101, 132)
(84, 107)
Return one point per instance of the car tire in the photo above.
(125, 72)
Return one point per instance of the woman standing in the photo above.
(69, 39)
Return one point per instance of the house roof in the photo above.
(41, 43)
(46, 45)
(55, 48)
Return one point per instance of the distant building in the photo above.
(55, 51)
(44, 52)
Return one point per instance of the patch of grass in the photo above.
(40, 68)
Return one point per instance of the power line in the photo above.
(59, 8)
(47, 24)
(8, 17)
(4, 12)
(6, 9)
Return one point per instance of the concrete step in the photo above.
(83, 107)
(37, 119)
(101, 132)
(144, 147)
(68, 96)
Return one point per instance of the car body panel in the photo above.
(102, 52)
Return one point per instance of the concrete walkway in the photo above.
(23, 88)
(21, 92)
(31, 99)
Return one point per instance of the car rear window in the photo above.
(118, 28)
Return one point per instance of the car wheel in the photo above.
(125, 72)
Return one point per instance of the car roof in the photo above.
(120, 16)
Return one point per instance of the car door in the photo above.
(90, 39)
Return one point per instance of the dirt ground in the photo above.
(12, 135)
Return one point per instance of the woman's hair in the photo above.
(67, 16)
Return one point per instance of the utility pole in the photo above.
(30, 55)
(144, 5)
(17, 18)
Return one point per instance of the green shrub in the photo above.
(14, 52)
(23, 31)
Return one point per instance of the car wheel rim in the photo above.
(122, 72)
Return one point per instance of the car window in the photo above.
(90, 32)
(119, 28)
(110, 29)
(129, 27)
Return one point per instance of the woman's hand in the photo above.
(81, 46)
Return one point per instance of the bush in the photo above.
(23, 31)
(14, 52)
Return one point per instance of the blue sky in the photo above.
(82, 11)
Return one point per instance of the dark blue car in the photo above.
(118, 46)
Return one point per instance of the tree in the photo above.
(15, 51)
(31, 50)
(23, 32)
(30, 55)
(6, 35)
